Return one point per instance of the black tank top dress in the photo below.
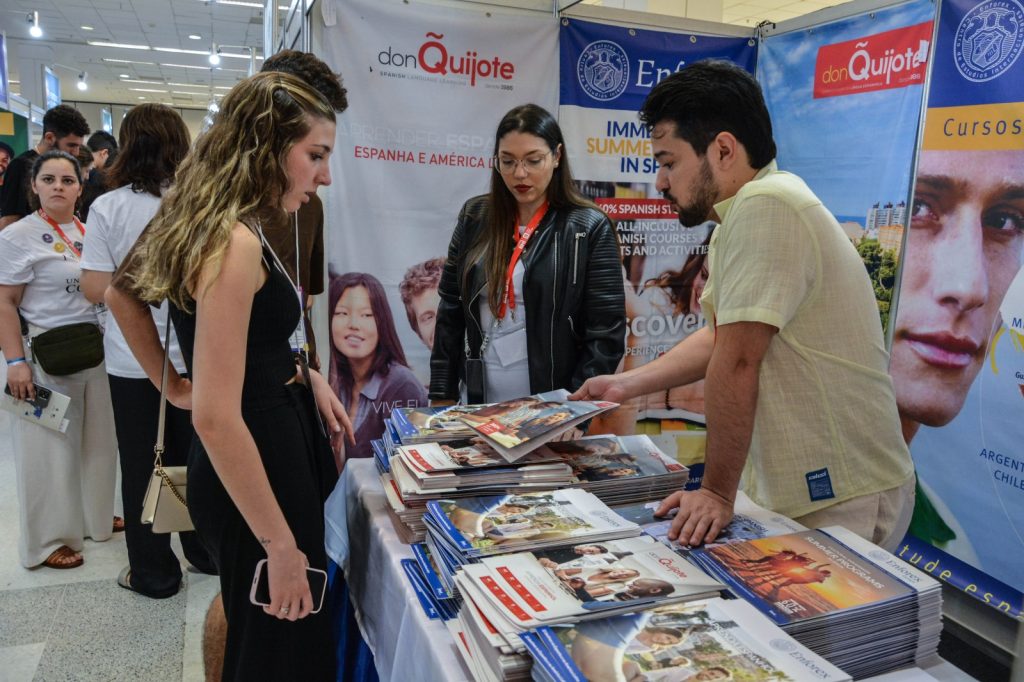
(302, 473)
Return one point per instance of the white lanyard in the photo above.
(298, 339)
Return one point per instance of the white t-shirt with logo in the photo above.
(116, 219)
(32, 253)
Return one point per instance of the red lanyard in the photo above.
(509, 300)
(56, 227)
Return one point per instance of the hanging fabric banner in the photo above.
(428, 86)
(607, 72)
(831, 89)
(958, 351)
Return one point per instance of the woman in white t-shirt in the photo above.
(154, 140)
(65, 480)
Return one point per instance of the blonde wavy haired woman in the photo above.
(260, 469)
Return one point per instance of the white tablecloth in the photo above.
(406, 644)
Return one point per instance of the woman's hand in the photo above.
(290, 598)
(19, 379)
(335, 417)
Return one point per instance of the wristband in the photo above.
(16, 361)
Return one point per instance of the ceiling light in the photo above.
(179, 50)
(187, 66)
(81, 84)
(140, 97)
(146, 90)
(123, 46)
(125, 61)
(214, 55)
(34, 30)
(182, 92)
(194, 36)
(123, 75)
(144, 82)
(87, 28)
(240, 3)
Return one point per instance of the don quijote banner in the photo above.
(427, 88)
(607, 73)
(891, 59)
(958, 343)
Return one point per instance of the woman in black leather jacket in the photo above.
(563, 319)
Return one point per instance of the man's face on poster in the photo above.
(424, 309)
(963, 251)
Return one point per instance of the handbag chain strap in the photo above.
(158, 448)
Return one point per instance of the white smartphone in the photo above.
(259, 594)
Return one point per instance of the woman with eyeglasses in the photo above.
(531, 295)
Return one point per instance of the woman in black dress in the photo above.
(260, 469)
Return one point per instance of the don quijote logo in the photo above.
(989, 39)
(893, 59)
(603, 70)
(433, 57)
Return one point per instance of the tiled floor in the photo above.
(78, 624)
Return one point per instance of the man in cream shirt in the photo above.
(798, 397)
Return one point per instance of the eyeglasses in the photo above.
(506, 165)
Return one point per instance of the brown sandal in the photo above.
(118, 524)
(64, 557)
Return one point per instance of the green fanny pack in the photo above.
(68, 349)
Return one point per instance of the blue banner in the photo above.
(958, 341)
(614, 67)
(845, 120)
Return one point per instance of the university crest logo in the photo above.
(603, 70)
(989, 39)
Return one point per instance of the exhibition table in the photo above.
(406, 644)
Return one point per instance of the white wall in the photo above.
(91, 110)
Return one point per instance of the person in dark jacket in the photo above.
(532, 286)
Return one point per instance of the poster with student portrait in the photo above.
(607, 73)
(845, 101)
(427, 87)
(957, 357)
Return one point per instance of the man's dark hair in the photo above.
(4, 147)
(710, 97)
(64, 120)
(100, 140)
(309, 68)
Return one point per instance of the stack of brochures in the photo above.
(714, 639)
(617, 470)
(508, 595)
(837, 594)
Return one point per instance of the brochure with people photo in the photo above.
(715, 639)
(510, 523)
(432, 424)
(516, 427)
(463, 456)
(520, 591)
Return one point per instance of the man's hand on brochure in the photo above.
(610, 387)
(701, 517)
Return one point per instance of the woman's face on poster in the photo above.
(698, 286)
(353, 327)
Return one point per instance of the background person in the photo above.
(797, 394)
(553, 316)
(257, 475)
(154, 141)
(6, 154)
(64, 129)
(369, 372)
(103, 147)
(65, 480)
